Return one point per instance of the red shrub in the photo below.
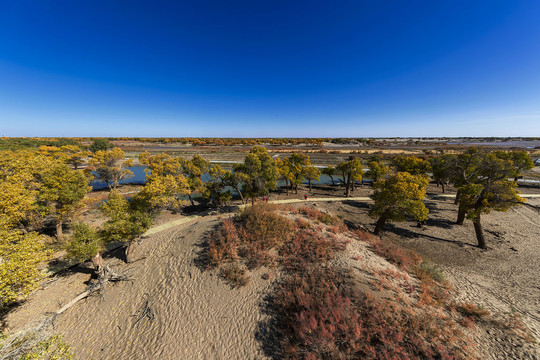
(223, 244)
(323, 319)
(402, 258)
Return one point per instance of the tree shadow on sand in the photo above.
(267, 332)
(406, 233)
(202, 260)
(357, 204)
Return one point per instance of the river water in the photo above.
(139, 177)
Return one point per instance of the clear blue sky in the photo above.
(270, 68)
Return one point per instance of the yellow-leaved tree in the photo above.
(20, 256)
(165, 181)
(21, 252)
(352, 171)
(62, 193)
(399, 197)
(111, 166)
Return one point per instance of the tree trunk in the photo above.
(59, 232)
(333, 183)
(97, 261)
(191, 200)
(252, 201)
(456, 200)
(461, 216)
(309, 181)
(442, 184)
(380, 224)
(130, 250)
(479, 233)
(348, 187)
(239, 193)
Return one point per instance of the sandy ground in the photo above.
(503, 279)
(197, 316)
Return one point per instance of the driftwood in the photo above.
(144, 312)
(25, 340)
(105, 276)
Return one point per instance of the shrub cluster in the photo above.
(402, 258)
(320, 311)
(322, 317)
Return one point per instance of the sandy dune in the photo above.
(195, 315)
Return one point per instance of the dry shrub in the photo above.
(310, 246)
(302, 224)
(515, 323)
(322, 318)
(235, 275)
(223, 244)
(317, 215)
(472, 311)
(262, 224)
(402, 258)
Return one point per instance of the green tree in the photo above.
(258, 174)
(62, 192)
(213, 191)
(352, 171)
(311, 173)
(111, 166)
(521, 161)
(442, 169)
(330, 171)
(100, 144)
(377, 171)
(483, 186)
(126, 222)
(411, 164)
(398, 197)
(85, 243)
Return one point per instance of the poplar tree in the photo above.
(258, 174)
(483, 186)
(411, 164)
(312, 173)
(111, 166)
(352, 171)
(398, 197)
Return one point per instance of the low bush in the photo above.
(223, 244)
(308, 247)
(263, 225)
(323, 318)
(472, 311)
(402, 258)
(235, 275)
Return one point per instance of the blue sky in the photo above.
(270, 68)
